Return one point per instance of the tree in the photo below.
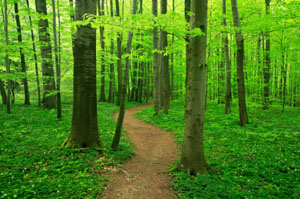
(3, 92)
(102, 43)
(227, 63)
(58, 96)
(84, 129)
(240, 64)
(118, 131)
(267, 66)
(119, 55)
(192, 157)
(23, 63)
(156, 73)
(34, 55)
(164, 63)
(49, 99)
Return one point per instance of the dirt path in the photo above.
(144, 175)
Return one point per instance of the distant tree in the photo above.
(192, 157)
(101, 12)
(49, 98)
(84, 129)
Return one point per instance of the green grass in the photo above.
(32, 165)
(260, 160)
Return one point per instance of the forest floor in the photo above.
(144, 175)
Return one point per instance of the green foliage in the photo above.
(260, 160)
(32, 164)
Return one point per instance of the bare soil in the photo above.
(144, 175)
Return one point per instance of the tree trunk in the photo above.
(267, 64)
(35, 55)
(23, 63)
(3, 92)
(164, 63)
(58, 96)
(187, 9)
(7, 65)
(84, 130)
(192, 157)
(118, 131)
(227, 63)
(240, 65)
(102, 43)
(49, 99)
(111, 96)
(156, 72)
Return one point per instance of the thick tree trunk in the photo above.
(156, 72)
(49, 99)
(164, 63)
(118, 131)
(23, 63)
(102, 43)
(84, 130)
(58, 96)
(240, 65)
(227, 63)
(35, 55)
(192, 157)
(267, 64)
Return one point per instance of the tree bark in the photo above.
(58, 96)
(240, 65)
(118, 131)
(23, 62)
(49, 99)
(156, 72)
(102, 43)
(84, 130)
(227, 63)
(34, 55)
(192, 157)
(267, 65)
(164, 63)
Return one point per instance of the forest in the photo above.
(139, 99)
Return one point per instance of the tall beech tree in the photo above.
(164, 63)
(227, 63)
(192, 157)
(156, 72)
(120, 120)
(240, 64)
(23, 62)
(84, 129)
(49, 98)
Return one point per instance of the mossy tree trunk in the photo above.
(192, 156)
(84, 130)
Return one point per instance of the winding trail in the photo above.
(144, 175)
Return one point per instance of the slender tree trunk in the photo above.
(133, 81)
(227, 63)
(117, 136)
(49, 100)
(172, 58)
(3, 92)
(192, 157)
(284, 72)
(58, 96)
(240, 65)
(187, 9)
(156, 72)
(5, 20)
(23, 63)
(84, 130)
(71, 4)
(102, 43)
(119, 55)
(34, 55)
(111, 96)
(267, 64)
(164, 63)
